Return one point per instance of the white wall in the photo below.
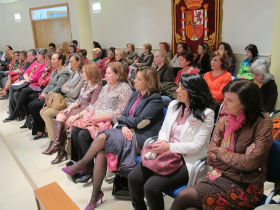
(3, 31)
(19, 35)
(246, 22)
(137, 21)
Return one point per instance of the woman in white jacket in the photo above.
(186, 130)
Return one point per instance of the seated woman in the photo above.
(224, 47)
(58, 77)
(202, 60)
(131, 54)
(105, 61)
(265, 81)
(165, 47)
(120, 56)
(146, 59)
(97, 117)
(96, 53)
(31, 92)
(181, 47)
(165, 73)
(83, 52)
(7, 58)
(70, 90)
(88, 95)
(31, 76)
(103, 51)
(252, 54)
(186, 131)
(141, 119)
(218, 77)
(238, 153)
(186, 63)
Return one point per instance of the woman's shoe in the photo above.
(93, 206)
(60, 157)
(84, 178)
(50, 145)
(44, 135)
(8, 119)
(71, 173)
(24, 125)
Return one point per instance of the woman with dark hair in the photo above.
(252, 54)
(106, 61)
(225, 48)
(181, 47)
(103, 51)
(218, 77)
(140, 120)
(238, 153)
(186, 131)
(202, 60)
(186, 62)
(58, 77)
(265, 81)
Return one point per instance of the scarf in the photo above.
(233, 124)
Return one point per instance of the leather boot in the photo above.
(59, 127)
(61, 154)
(51, 143)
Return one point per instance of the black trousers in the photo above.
(26, 95)
(143, 182)
(80, 143)
(34, 108)
(13, 97)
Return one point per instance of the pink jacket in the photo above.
(34, 72)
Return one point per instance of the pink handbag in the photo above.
(164, 163)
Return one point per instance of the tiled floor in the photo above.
(24, 168)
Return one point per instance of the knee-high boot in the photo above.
(58, 130)
(61, 154)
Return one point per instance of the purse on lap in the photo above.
(55, 101)
(163, 164)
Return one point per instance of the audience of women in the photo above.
(30, 76)
(265, 81)
(186, 131)
(131, 54)
(186, 63)
(218, 77)
(105, 61)
(238, 153)
(141, 119)
(32, 91)
(70, 90)
(121, 56)
(89, 94)
(146, 59)
(252, 55)
(202, 60)
(165, 73)
(100, 115)
(58, 77)
(96, 53)
(224, 47)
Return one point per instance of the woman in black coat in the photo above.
(141, 119)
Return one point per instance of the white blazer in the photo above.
(195, 135)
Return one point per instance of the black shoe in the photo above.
(8, 119)
(23, 126)
(70, 163)
(44, 135)
(84, 178)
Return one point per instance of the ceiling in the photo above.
(7, 1)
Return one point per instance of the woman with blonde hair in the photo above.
(146, 59)
(141, 119)
(131, 54)
(120, 56)
(88, 95)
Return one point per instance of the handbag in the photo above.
(162, 164)
(55, 101)
(17, 86)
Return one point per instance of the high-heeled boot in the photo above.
(59, 127)
(50, 145)
(61, 154)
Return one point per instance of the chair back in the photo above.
(273, 174)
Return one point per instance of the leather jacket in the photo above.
(238, 166)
